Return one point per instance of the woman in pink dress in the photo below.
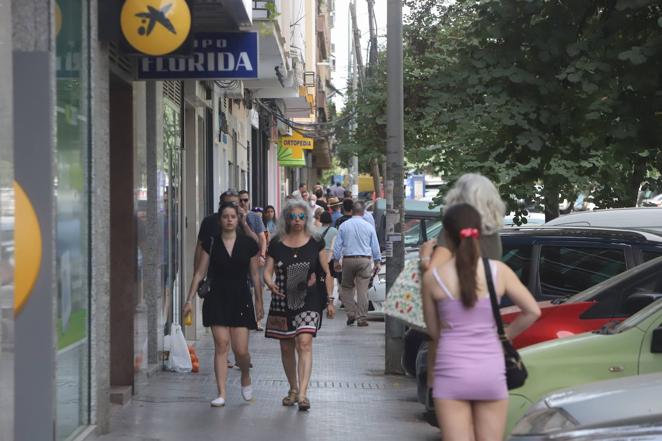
(469, 391)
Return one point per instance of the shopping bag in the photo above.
(180, 359)
(404, 300)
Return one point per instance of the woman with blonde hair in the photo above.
(297, 274)
(479, 192)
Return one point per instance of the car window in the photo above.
(567, 270)
(613, 300)
(412, 232)
(433, 229)
(636, 319)
(647, 255)
(518, 258)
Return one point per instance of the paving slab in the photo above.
(351, 397)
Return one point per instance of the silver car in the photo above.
(589, 406)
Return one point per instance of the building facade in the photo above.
(109, 161)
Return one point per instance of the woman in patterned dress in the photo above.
(297, 274)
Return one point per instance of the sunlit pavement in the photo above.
(351, 397)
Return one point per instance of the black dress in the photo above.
(230, 303)
(300, 311)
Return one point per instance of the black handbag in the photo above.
(515, 370)
(204, 287)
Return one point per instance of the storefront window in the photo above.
(170, 209)
(71, 190)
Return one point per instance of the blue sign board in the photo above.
(217, 55)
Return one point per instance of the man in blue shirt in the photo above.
(358, 247)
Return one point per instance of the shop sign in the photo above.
(218, 55)
(155, 27)
(291, 156)
(297, 140)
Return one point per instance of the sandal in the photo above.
(304, 404)
(291, 398)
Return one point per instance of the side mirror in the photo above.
(656, 341)
(636, 302)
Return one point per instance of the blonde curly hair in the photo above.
(478, 191)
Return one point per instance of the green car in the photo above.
(631, 347)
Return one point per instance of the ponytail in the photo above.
(466, 262)
(462, 225)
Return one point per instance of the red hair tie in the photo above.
(469, 232)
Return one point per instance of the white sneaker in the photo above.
(247, 392)
(218, 402)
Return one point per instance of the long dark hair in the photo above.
(264, 221)
(462, 225)
(225, 205)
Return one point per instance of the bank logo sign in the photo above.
(218, 55)
(156, 27)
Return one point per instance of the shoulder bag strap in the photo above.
(325, 231)
(211, 248)
(493, 298)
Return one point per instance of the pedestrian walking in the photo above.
(210, 227)
(228, 259)
(269, 220)
(254, 221)
(469, 387)
(334, 205)
(328, 232)
(338, 191)
(357, 245)
(347, 206)
(297, 274)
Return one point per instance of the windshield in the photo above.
(412, 231)
(637, 318)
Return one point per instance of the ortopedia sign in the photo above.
(155, 27)
(297, 140)
(290, 150)
(215, 55)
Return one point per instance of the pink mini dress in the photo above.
(469, 364)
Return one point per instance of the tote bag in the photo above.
(404, 301)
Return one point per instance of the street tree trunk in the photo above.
(551, 194)
(376, 179)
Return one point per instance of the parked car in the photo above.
(614, 299)
(418, 217)
(641, 218)
(596, 405)
(377, 294)
(630, 347)
(648, 428)
(655, 201)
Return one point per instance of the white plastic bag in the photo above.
(180, 359)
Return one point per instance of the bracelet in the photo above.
(425, 258)
(330, 299)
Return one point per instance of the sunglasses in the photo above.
(244, 200)
(301, 216)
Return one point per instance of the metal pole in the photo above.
(394, 179)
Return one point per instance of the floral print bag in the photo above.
(404, 301)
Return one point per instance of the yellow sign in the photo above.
(156, 27)
(58, 19)
(297, 140)
(27, 242)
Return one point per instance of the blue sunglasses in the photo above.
(301, 216)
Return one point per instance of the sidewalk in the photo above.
(351, 397)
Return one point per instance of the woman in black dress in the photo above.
(297, 274)
(228, 308)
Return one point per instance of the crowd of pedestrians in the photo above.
(324, 242)
(296, 255)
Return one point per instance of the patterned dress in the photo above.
(300, 311)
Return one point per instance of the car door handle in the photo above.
(616, 369)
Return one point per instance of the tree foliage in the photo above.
(561, 94)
